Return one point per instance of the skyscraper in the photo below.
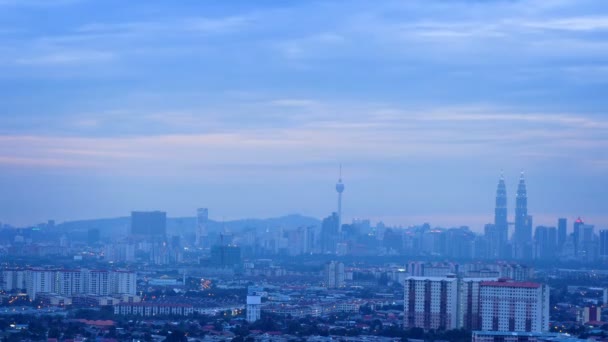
(329, 233)
(151, 225)
(340, 190)
(501, 225)
(546, 242)
(576, 232)
(522, 236)
(603, 252)
(587, 243)
(562, 231)
(202, 218)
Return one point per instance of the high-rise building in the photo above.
(99, 282)
(334, 274)
(151, 225)
(70, 282)
(576, 227)
(514, 306)
(546, 242)
(501, 226)
(124, 282)
(562, 231)
(13, 279)
(340, 190)
(522, 236)
(93, 236)
(40, 281)
(254, 305)
(431, 303)
(330, 233)
(79, 281)
(225, 256)
(603, 248)
(469, 316)
(587, 246)
(590, 314)
(202, 220)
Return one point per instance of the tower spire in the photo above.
(522, 235)
(340, 190)
(501, 226)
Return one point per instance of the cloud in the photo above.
(70, 58)
(217, 25)
(588, 23)
(38, 3)
(367, 133)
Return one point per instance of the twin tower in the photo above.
(521, 242)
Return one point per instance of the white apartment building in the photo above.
(12, 279)
(73, 282)
(334, 274)
(254, 306)
(431, 303)
(469, 315)
(124, 282)
(40, 281)
(514, 306)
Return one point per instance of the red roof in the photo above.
(527, 285)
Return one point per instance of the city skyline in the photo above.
(247, 109)
(505, 223)
(361, 170)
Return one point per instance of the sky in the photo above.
(249, 107)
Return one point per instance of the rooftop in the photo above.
(528, 285)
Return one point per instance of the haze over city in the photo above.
(304, 171)
(249, 108)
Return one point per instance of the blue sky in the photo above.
(248, 108)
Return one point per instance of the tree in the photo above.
(176, 336)
(54, 333)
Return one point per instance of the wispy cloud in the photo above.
(67, 58)
(367, 133)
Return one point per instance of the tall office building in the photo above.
(431, 303)
(500, 213)
(522, 237)
(150, 225)
(576, 228)
(334, 274)
(340, 190)
(603, 248)
(586, 244)
(546, 242)
(225, 255)
(498, 234)
(330, 233)
(562, 231)
(202, 220)
(514, 306)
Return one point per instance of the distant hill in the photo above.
(120, 225)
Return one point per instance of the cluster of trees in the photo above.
(310, 326)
